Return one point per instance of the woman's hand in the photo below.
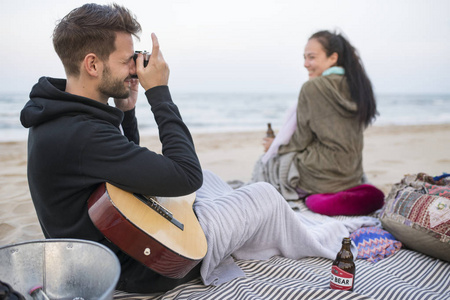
(267, 141)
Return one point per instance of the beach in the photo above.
(390, 152)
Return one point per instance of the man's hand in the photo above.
(157, 71)
(130, 102)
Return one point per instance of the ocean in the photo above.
(227, 112)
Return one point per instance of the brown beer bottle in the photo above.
(38, 293)
(343, 268)
(270, 133)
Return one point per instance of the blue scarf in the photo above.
(334, 70)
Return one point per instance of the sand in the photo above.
(390, 152)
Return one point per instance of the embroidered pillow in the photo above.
(417, 213)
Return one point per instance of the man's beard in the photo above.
(113, 87)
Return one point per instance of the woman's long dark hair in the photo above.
(360, 86)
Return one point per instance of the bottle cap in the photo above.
(34, 289)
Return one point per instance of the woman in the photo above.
(320, 151)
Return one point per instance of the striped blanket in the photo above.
(404, 275)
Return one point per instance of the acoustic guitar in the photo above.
(161, 233)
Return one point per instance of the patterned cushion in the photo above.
(417, 213)
(374, 243)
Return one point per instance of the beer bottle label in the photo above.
(340, 280)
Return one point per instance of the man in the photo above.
(75, 142)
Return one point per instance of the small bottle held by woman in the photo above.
(343, 268)
(269, 132)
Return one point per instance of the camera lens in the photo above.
(145, 54)
(146, 58)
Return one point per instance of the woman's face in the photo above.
(316, 60)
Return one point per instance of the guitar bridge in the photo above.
(153, 203)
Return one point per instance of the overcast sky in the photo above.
(249, 45)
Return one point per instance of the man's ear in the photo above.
(92, 64)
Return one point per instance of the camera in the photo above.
(146, 58)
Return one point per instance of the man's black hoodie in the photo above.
(75, 144)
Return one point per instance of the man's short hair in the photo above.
(91, 28)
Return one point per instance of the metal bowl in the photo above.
(66, 268)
